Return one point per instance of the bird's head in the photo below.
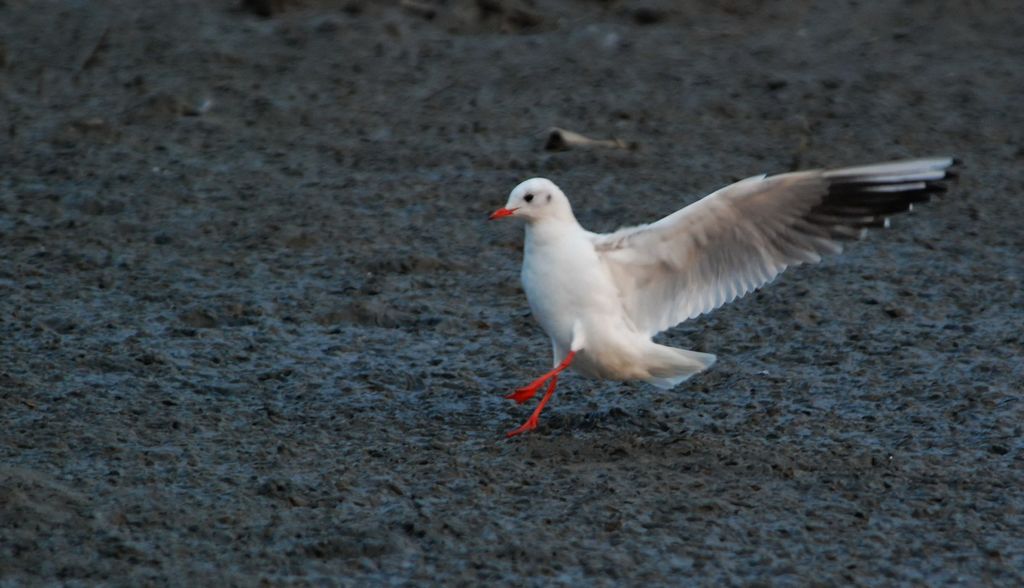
(535, 199)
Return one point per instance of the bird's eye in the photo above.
(528, 198)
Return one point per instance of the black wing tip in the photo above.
(863, 201)
(952, 169)
(852, 204)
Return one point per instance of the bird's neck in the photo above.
(551, 230)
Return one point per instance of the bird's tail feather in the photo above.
(668, 366)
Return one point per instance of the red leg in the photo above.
(527, 392)
(531, 423)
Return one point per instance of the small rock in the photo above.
(264, 8)
(895, 311)
(521, 18)
(419, 8)
(148, 359)
(199, 319)
(649, 16)
(59, 324)
(327, 26)
(488, 7)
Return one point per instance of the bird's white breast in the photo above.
(565, 281)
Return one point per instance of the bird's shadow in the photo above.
(612, 419)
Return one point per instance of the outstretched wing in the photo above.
(742, 236)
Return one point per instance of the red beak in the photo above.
(502, 212)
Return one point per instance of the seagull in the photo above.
(602, 297)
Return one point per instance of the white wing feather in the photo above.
(742, 236)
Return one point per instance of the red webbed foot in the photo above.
(531, 423)
(525, 393)
(521, 395)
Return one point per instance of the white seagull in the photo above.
(602, 297)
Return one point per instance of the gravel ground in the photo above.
(254, 328)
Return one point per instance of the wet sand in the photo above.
(254, 327)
